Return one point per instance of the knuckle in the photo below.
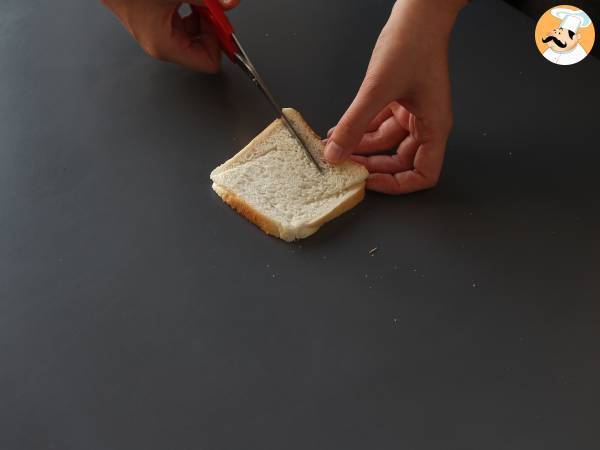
(428, 180)
(404, 161)
(345, 129)
(432, 181)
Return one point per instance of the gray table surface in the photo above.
(137, 311)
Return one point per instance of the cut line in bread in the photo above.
(273, 184)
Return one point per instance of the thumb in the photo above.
(353, 124)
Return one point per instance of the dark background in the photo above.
(137, 311)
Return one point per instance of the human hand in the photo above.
(164, 35)
(404, 101)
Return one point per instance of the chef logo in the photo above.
(564, 35)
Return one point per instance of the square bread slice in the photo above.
(273, 184)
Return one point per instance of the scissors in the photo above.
(213, 13)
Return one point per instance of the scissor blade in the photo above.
(247, 65)
(287, 122)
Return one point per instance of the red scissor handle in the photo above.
(211, 10)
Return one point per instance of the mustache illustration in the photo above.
(556, 41)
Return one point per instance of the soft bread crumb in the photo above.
(273, 184)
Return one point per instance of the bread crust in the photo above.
(349, 203)
(294, 116)
(291, 113)
(248, 148)
(271, 227)
(238, 204)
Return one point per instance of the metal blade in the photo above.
(249, 68)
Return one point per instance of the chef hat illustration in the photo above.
(571, 19)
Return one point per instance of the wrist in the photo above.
(434, 15)
(451, 7)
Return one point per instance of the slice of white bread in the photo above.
(273, 184)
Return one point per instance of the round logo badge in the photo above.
(565, 35)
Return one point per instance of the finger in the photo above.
(353, 124)
(399, 183)
(375, 123)
(382, 163)
(401, 114)
(189, 24)
(202, 53)
(407, 150)
(161, 35)
(192, 24)
(385, 114)
(389, 134)
(428, 163)
(393, 130)
(429, 160)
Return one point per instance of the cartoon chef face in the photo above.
(561, 39)
(563, 43)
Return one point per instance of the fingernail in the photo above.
(333, 152)
(330, 132)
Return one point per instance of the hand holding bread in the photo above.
(404, 101)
